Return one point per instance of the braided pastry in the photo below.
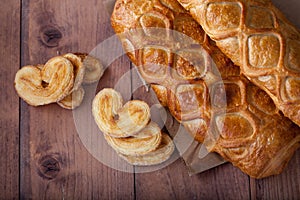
(259, 39)
(246, 128)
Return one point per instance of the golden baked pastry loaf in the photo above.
(246, 128)
(256, 36)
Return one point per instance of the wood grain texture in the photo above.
(9, 107)
(283, 186)
(173, 182)
(54, 163)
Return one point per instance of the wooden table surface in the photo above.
(34, 138)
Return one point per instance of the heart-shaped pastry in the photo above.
(137, 146)
(79, 69)
(47, 85)
(93, 68)
(117, 120)
(159, 155)
(73, 100)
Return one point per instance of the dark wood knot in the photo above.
(49, 167)
(50, 36)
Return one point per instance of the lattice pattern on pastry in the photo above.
(192, 100)
(152, 20)
(260, 101)
(154, 63)
(217, 20)
(190, 64)
(293, 56)
(228, 94)
(260, 18)
(257, 38)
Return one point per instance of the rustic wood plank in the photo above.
(283, 186)
(48, 135)
(174, 182)
(290, 9)
(9, 107)
(54, 162)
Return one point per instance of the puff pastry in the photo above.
(159, 155)
(73, 100)
(93, 68)
(45, 84)
(137, 142)
(259, 39)
(137, 146)
(79, 69)
(250, 132)
(118, 120)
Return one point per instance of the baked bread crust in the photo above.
(256, 36)
(251, 132)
